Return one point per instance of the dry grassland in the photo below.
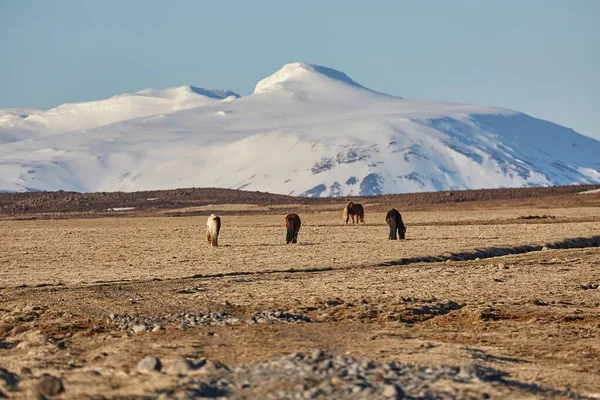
(533, 316)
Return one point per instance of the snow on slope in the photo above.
(19, 124)
(306, 130)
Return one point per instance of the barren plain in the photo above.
(491, 298)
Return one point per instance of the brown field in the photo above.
(534, 316)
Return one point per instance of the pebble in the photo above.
(211, 366)
(392, 392)
(149, 364)
(50, 386)
(317, 354)
(180, 366)
(139, 328)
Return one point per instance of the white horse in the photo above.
(213, 226)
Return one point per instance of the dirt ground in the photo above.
(72, 290)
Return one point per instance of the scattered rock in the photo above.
(211, 367)
(278, 316)
(180, 366)
(321, 375)
(139, 328)
(149, 364)
(590, 286)
(392, 392)
(50, 386)
(139, 324)
(5, 329)
(317, 354)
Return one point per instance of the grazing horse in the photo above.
(353, 209)
(292, 224)
(213, 226)
(394, 220)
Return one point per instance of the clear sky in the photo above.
(541, 57)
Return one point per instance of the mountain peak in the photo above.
(298, 73)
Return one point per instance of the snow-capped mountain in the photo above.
(306, 130)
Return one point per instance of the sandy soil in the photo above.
(535, 316)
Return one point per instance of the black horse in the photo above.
(394, 221)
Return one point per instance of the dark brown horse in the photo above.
(353, 209)
(292, 225)
(394, 221)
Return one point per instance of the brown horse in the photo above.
(394, 221)
(213, 227)
(292, 225)
(353, 209)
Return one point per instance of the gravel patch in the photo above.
(139, 324)
(321, 375)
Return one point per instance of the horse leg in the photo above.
(295, 237)
(208, 237)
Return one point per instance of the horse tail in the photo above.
(213, 227)
(291, 229)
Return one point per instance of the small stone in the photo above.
(467, 372)
(392, 392)
(317, 354)
(336, 381)
(139, 328)
(325, 365)
(156, 328)
(149, 364)
(50, 385)
(180, 366)
(5, 329)
(210, 367)
(357, 388)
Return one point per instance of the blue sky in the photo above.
(541, 57)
